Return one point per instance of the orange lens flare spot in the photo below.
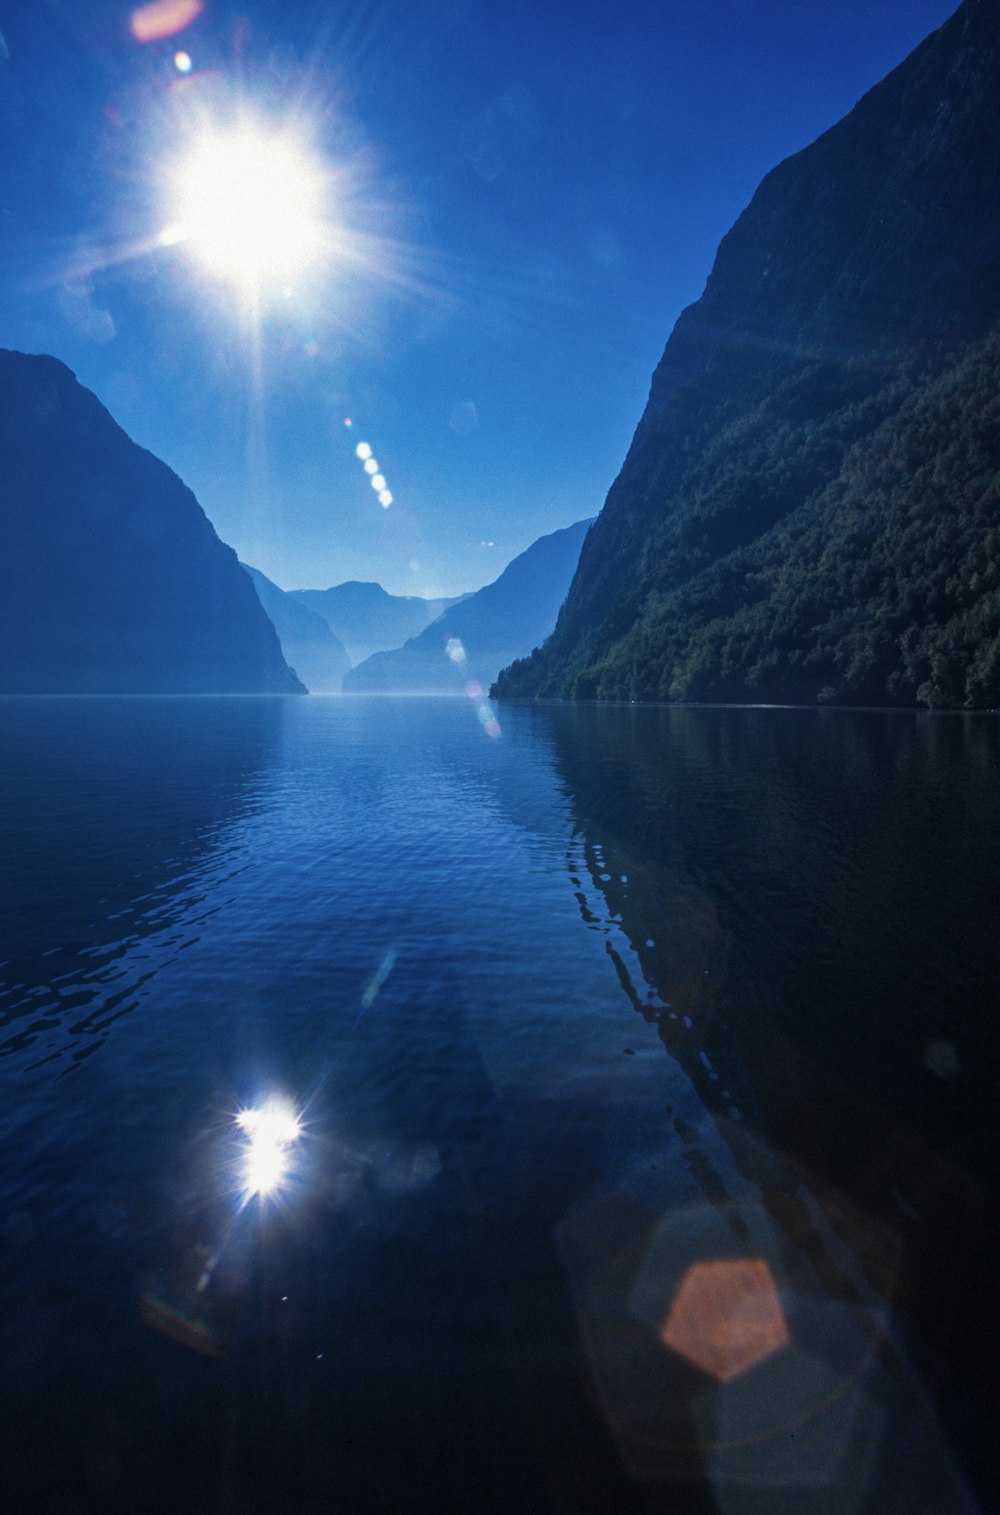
(727, 1317)
(163, 18)
(185, 1330)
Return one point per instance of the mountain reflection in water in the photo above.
(803, 896)
(639, 1067)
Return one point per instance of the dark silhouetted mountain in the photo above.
(318, 657)
(112, 579)
(808, 510)
(367, 619)
(475, 638)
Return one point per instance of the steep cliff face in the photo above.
(318, 657)
(112, 579)
(475, 638)
(864, 269)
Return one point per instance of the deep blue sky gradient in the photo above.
(548, 184)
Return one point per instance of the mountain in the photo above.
(473, 639)
(808, 510)
(367, 619)
(112, 579)
(318, 657)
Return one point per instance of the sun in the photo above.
(249, 203)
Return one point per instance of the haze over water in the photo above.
(568, 1015)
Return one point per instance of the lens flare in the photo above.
(727, 1317)
(488, 720)
(163, 18)
(377, 479)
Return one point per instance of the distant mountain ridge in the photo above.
(367, 619)
(112, 579)
(475, 637)
(318, 658)
(808, 509)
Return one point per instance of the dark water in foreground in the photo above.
(646, 1064)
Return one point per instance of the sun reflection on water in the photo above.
(270, 1131)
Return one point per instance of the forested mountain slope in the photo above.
(806, 511)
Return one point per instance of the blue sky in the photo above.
(527, 194)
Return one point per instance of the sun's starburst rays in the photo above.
(250, 202)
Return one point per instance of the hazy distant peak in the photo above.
(319, 658)
(367, 590)
(477, 635)
(366, 618)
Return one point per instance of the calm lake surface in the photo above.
(645, 1062)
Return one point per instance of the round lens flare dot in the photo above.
(376, 479)
(182, 62)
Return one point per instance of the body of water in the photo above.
(637, 1072)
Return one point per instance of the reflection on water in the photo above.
(110, 809)
(800, 904)
(590, 1118)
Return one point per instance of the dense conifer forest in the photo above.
(810, 509)
(883, 587)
